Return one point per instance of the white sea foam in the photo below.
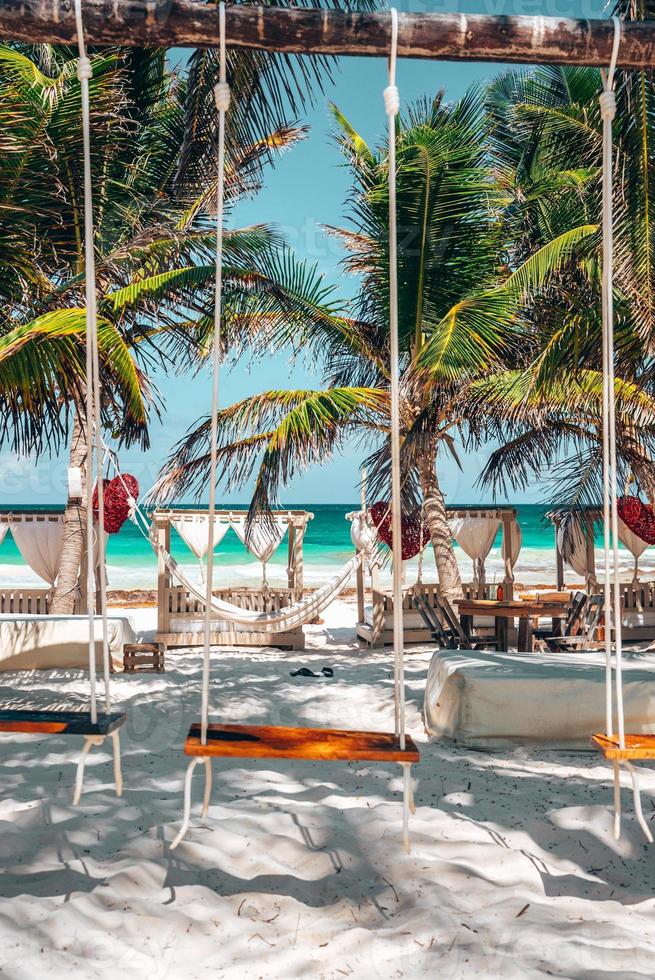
(535, 565)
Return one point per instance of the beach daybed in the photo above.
(180, 613)
(488, 700)
(45, 642)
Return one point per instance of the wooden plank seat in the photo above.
(276, 742)
(636, 747)
(60, 722)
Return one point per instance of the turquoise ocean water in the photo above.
(131, 562)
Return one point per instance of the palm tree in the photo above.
(458, 303)
(154, 192)
(548, 140)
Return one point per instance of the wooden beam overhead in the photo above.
(454, 37)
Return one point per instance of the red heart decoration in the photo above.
(638, 516)
(412, 540)
(118, 496)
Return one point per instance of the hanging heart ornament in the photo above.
(120, 495)
(413, 541)
(638, 516)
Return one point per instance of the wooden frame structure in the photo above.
(175, 603)
(36, 601)
(637, 600)
(375, 625)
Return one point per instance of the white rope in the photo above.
(222, 98)
(84, 74)
(610, 513)
(391, 106)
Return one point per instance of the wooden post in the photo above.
(361, 596)
(457, 37)
(163, 575)
(298, 557)
(592, 581)
(559, 562)
(291, 563)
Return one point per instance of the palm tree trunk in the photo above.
(434, 507)
(74, 535)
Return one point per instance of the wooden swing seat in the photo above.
(636, 747)
(60, 722)
(277, 742)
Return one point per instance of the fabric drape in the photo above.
(194, 532)
(635, 545)
(512, 554)
(264, 535)
(39, 543)
(572, 545)
(363, 534)
(475, 536)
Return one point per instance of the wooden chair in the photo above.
(574, 621)
(593, 609)
(445, 626)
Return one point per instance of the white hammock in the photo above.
(276, 621)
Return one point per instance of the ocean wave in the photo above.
(535, 565)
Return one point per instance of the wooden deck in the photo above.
(275, 742)
(60, 722)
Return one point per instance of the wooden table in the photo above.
(505, 611)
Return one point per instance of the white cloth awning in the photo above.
(194, 531)
(475, 536)
(39, 542)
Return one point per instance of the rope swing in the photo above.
(392, 106)
(613, 742)
(92, 725)
(93, 427)
(238, 741)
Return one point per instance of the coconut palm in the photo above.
(547, 135)
(459, 305)
(154, 252)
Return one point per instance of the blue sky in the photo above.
(308, 188)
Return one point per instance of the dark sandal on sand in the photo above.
(306, 672)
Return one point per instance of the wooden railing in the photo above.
(25, 602)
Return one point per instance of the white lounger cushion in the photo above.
(182, 624)
(44, 642)
(556, 700)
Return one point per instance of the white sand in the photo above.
(299, 870)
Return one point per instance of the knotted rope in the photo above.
(93, 426)
(610, 512)
(222, 99)
(392, 106)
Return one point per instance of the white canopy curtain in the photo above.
(39, 542)
(572, 545)
(475, 536)
(3, 530)
(193, 531)
(635, 545)
(262, 538)
(363, 534)
(511, 555)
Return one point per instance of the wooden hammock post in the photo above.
(590, 552)
(163, 532)
(296, 567)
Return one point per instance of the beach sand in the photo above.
(299, 871)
